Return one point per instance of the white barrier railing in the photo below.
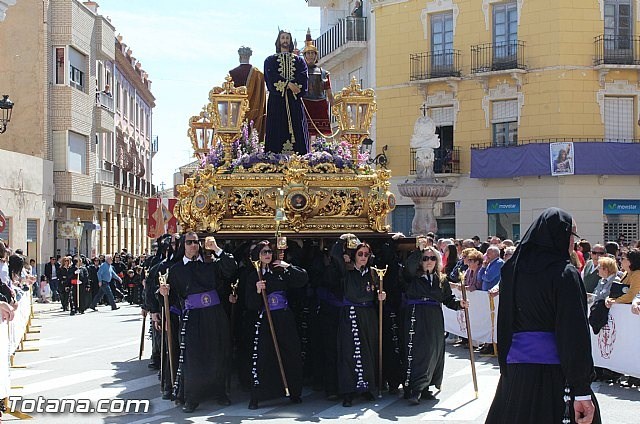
(615, 347)
(12, 335)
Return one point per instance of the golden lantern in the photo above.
(354, 109)
(201, 133)
(227, 106)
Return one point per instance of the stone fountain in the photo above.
(425, 189)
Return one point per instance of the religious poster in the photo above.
(561, 156)
(161, 219)
(67, 230)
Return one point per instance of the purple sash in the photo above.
(533, 347)
(277, 300)
(328, 297)
(347, 302)
(175, 310)
(422, 301)
(202, 300)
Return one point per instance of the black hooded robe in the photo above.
(424, 326)
(205, 340)
(265, 371)
(541, 291)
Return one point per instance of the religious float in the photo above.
(243, 191)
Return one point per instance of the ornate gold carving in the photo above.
(313, 202)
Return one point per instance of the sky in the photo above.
(188, 47)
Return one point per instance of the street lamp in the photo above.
(6, 107)
(354, 109)
(227, 107)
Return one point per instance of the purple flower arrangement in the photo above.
(249, 150)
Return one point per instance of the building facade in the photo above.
(125, 156)
(515, 88)
(56, 60)
(346, 44)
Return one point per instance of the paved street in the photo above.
(95, 356)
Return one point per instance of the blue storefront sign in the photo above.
(503, 205)
(621, 207)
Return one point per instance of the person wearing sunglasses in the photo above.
(205, 348)
(357, 321)
(543, 305)
(278, 276)
(590, 275)
(425, 289)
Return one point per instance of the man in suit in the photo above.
(52, 273)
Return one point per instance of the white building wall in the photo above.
(26, 193)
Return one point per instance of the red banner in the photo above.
(161, 219)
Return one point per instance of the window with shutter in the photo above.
(618, 118)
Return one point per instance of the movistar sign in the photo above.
(503, 206)
(621, 207)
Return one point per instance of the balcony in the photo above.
(498, 57)
(591, 156)
(104, 195)
(619, 51)
(446, 161)
(104, 176)
(104, 116)
(154, 146)
(342, 41)
(431, 65)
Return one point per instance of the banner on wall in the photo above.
(561, 156)
(161, 219)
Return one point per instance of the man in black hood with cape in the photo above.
(544, 346)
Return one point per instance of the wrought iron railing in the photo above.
(617, 50)
(347, 29)
(436, 64)
(445, 161)
(497, 56)
(556, 140)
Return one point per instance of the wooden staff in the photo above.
(232, 323)
(380, 273)
(492, 305)
(144, 324)
(163, 364)
(163, 282)
(257, 266)
(463, 287)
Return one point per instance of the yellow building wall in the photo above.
(559, 88)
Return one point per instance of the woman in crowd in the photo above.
(358, 321)
(452, 258)
(426, 290)
(473, 260)
(277, 277)
(630, 262)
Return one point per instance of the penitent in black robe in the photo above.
(541, 291)
(205, 339)
(424, 326)
(265, 372)
(357, 329)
